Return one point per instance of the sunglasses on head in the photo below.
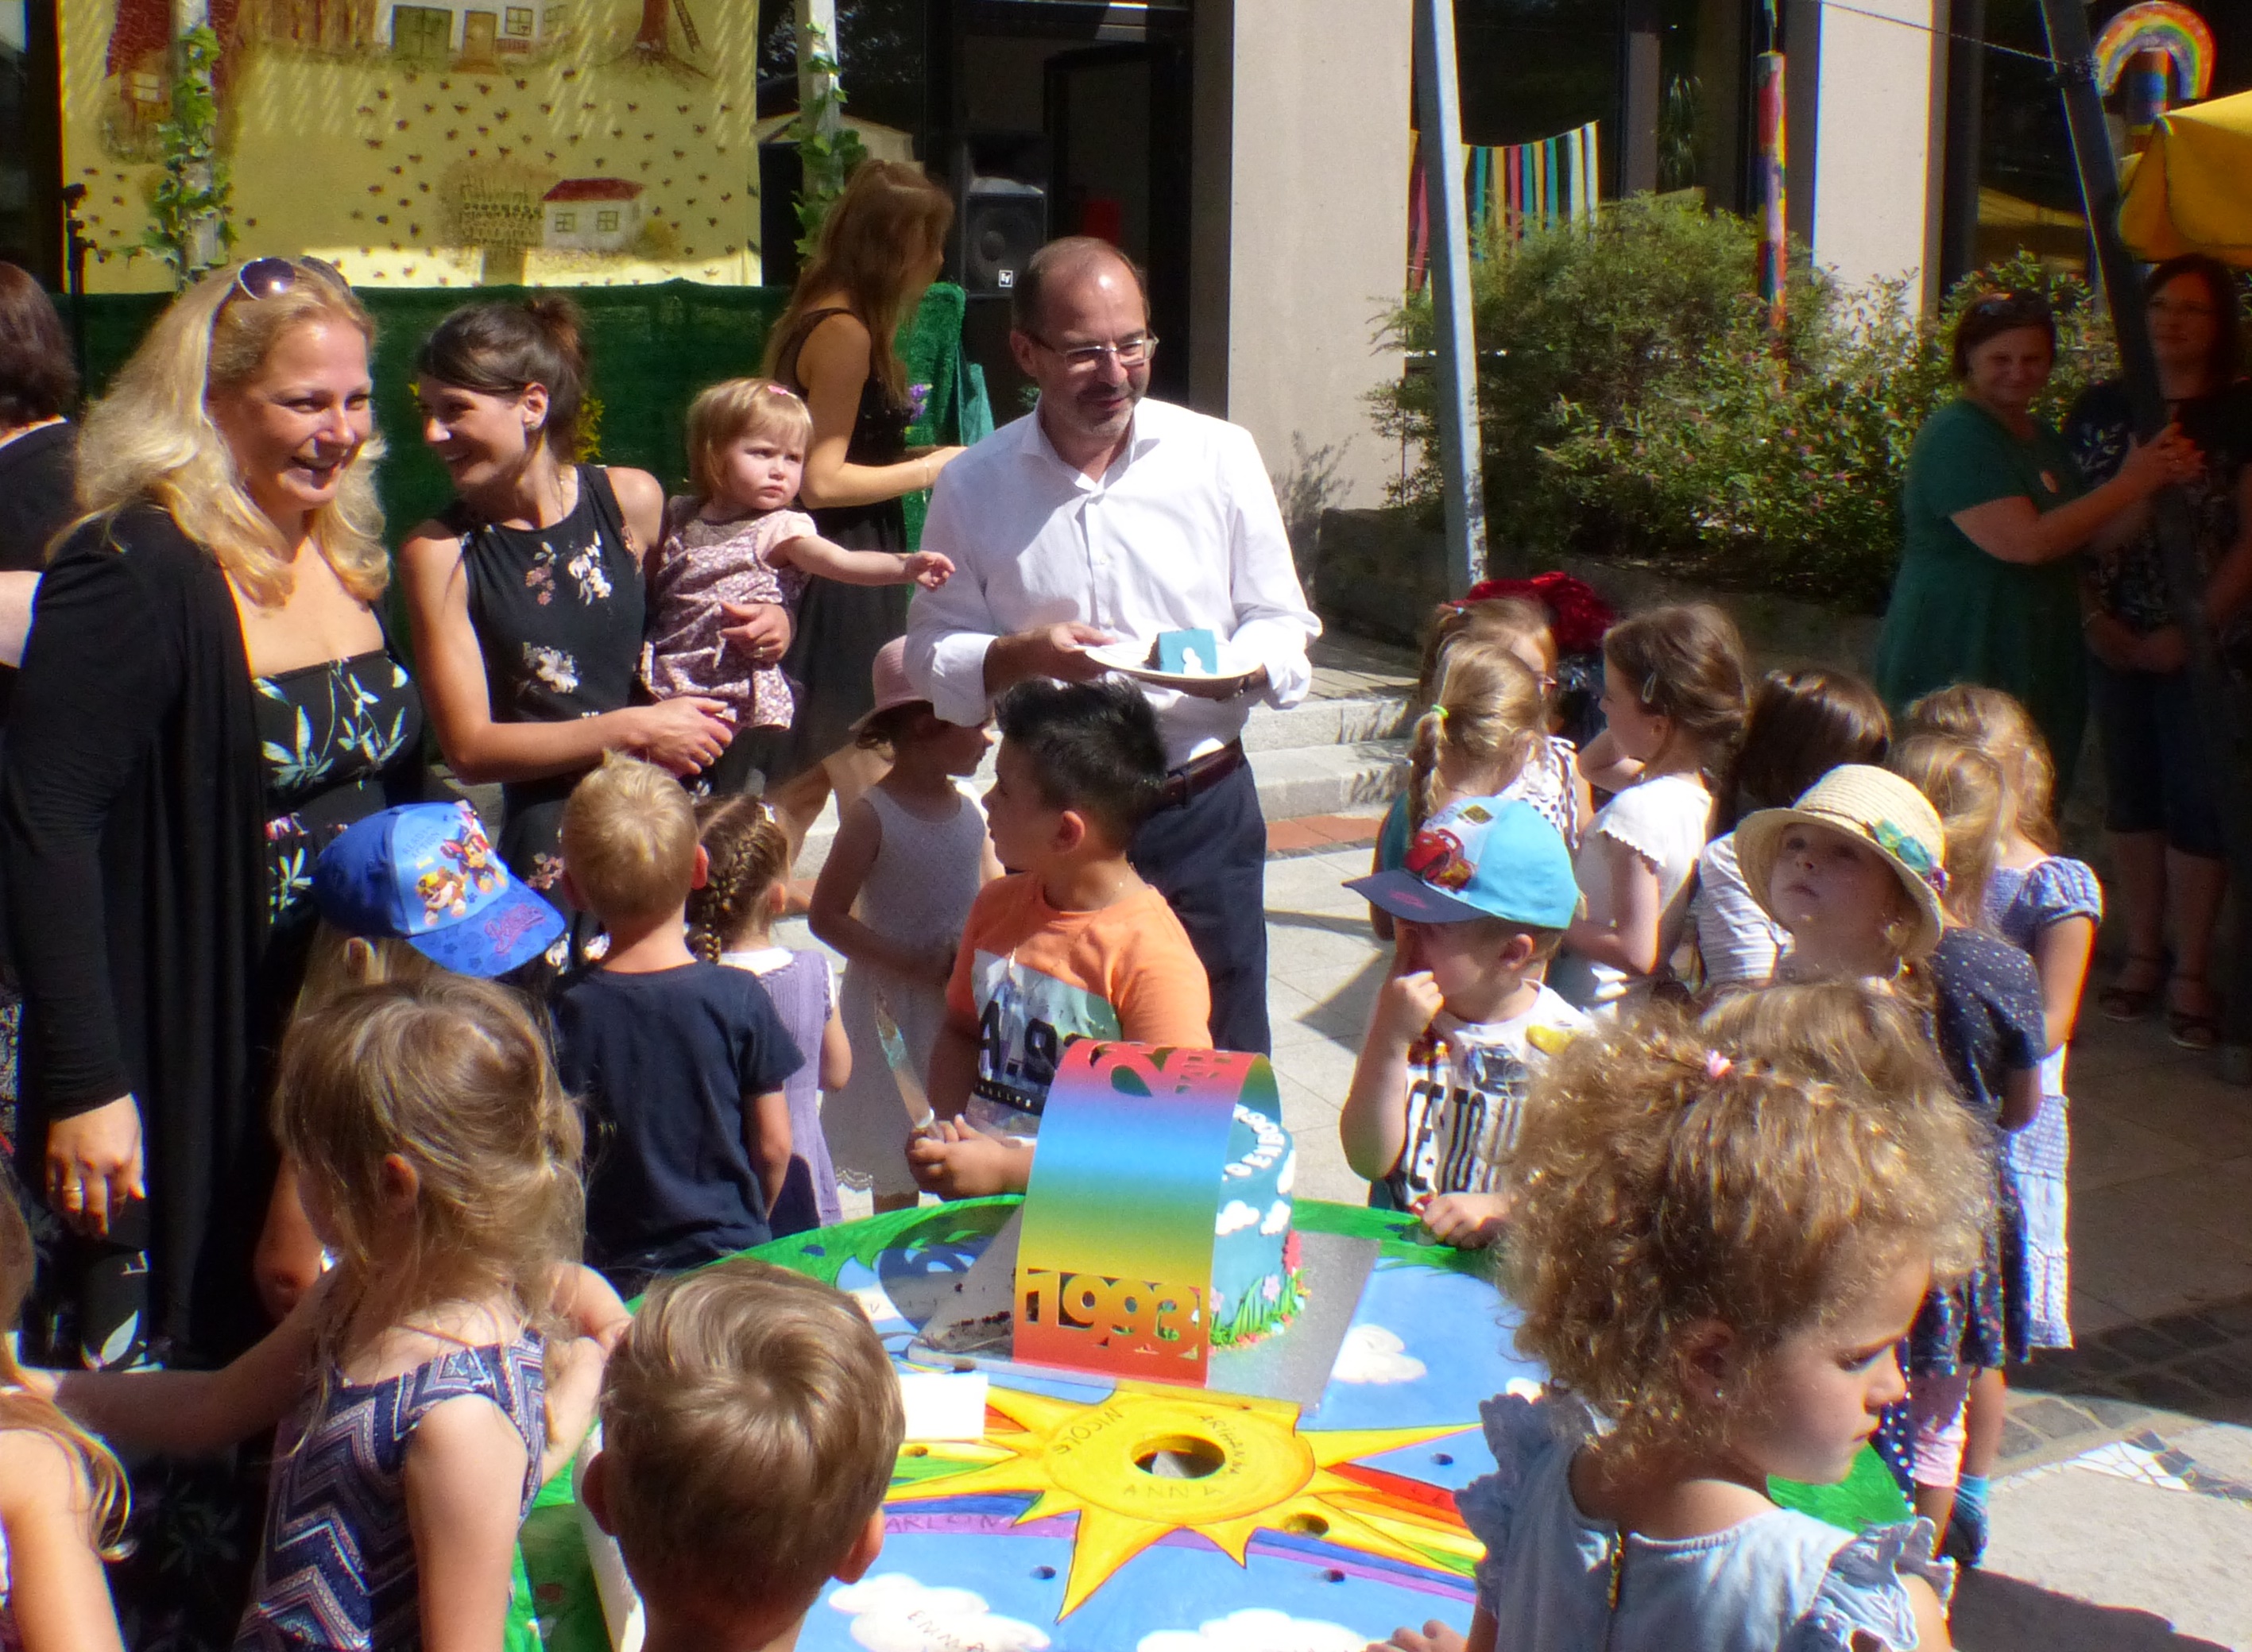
(271, 277)
(2032, 305)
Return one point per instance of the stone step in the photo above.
(1327, 722)
(1333, 756)
(1335, 778)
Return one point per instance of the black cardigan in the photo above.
(132, 835)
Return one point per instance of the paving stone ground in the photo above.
(2122, 1508)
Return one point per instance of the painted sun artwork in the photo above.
(1238, 1465)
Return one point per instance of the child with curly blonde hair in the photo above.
(1723, 1229)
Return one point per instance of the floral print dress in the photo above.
(326, 733)
(557, 611)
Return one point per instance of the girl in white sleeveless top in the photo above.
(911, 854)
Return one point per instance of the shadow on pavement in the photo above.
(1995, 1613)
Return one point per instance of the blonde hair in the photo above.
(1766, 1166)
(450, 1074)
(629, 839)
(751, 1422)
(1972, 793)
(336, 963)
(735, 409)
(151, 439)
(109, 1496)
(1486, 709)
(1998, 725)
(889, 219)
(1508, 622)
(749, 855)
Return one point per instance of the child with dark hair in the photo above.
(1072, 945)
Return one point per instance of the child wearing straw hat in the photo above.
(1855, 871)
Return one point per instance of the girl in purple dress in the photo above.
(731, 921)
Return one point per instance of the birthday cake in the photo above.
(1186, 653)
(1255, 1253)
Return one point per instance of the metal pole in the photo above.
(1460, 451)
(2217, 718)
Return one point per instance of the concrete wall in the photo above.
(1877, 138)
(1300, 224)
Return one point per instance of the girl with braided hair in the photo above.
(731, 921)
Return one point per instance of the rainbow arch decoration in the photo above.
(2159, 26)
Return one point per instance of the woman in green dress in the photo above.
(1988, 591)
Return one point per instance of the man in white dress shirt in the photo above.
(1102, 516)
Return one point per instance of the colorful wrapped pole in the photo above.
(1774, 244)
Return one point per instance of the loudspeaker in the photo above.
(1004, 208)
(1004, 221)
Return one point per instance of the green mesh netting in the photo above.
(652, 348)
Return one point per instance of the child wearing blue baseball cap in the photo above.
(403, 895)
(1467, 1018)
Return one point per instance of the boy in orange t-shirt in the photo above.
(1072, 945)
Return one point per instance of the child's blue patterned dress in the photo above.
(338, 1569)
(1778, 1582)
(1987, 1022)
(2020, 904)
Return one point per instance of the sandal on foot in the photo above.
(2132, 1003)
(2191, 1029)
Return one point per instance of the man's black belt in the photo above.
(1198, 775)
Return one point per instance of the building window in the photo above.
(554, 20)
(607, 219)
(566, 223)
(145, 87)
(517, 21)
(422, 34)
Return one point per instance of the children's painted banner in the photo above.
(1114, 1268)
(1511, 189)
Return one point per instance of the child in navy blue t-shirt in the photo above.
(680, 1064)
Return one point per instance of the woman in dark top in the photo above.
(1994, 518)
(207, 696)
(2161, 805)
(882, 244)
(526, 594)
(39, 381)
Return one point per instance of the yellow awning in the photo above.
(2191, 190)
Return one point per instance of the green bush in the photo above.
(1634, 405)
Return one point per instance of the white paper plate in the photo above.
(1132, 659)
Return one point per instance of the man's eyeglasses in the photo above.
(1128, 352)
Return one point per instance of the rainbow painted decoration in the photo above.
(2162, 26)
(1113, 1264)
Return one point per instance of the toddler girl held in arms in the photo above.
(735, 540)
(1723, 1228)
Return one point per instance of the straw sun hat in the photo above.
(1881, 810)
